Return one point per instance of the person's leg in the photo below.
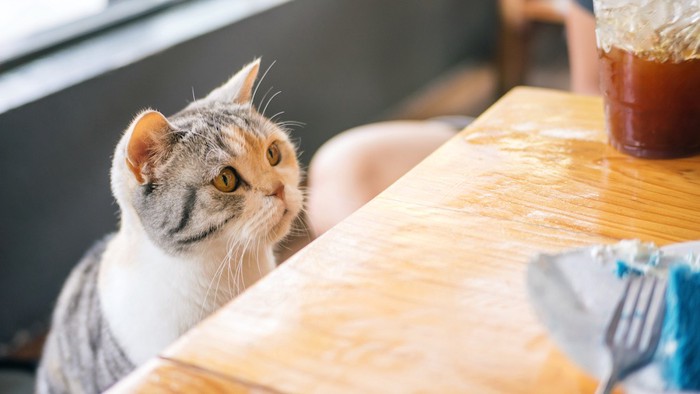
(583, 52)
(356, 165)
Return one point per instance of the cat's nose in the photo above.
(279, 191)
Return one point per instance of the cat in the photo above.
(204, 196)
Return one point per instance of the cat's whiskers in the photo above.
(300, 227)
(269, 101)
(292, 123)
(211, 283)
(254, 254)
(260, 81)
(239, 279)
(257, 261)
(230, 244)
(289, 125)
(215, 295)
(262, 100)
(236, 269)
(272, 118)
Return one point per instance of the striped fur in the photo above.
(183, 248)
(82, 357)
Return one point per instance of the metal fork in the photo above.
(634, 330)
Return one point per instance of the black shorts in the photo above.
(586, 4)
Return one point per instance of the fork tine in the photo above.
(627, 357)
(644, 325)
(615, 320)
(639, 281)
(658, 320)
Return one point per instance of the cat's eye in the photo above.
(227, 180)
(274, 156)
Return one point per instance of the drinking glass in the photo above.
(649, 56)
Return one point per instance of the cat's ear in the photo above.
(238, 89)
(148, 143)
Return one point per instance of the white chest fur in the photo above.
(150, 298)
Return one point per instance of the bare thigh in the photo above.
(356, 165)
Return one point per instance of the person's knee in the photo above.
(340, 177)
(377, 150)
(356, 165)
(340, 161)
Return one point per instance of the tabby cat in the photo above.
(204, 197)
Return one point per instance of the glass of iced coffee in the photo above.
(649, 53)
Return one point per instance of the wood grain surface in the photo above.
(423, 289)
(161, 376)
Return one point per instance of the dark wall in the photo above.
(338, 64)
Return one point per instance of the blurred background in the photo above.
(74, 73)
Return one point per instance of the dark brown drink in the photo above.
(652, 108)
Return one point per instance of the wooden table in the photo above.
(423, 289)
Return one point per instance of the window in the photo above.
(29, 28)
